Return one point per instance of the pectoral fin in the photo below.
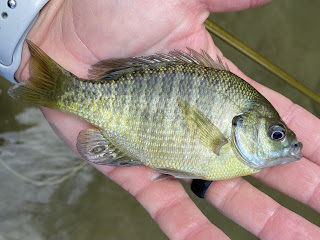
(197, 122)
(95, 148)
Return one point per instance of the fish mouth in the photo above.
(292, 155)
(295, 150)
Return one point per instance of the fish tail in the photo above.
(45, 80)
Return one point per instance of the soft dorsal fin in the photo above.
(207, 61)
(111, 68)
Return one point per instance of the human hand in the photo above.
(82, 33)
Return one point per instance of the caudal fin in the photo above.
(45, 80)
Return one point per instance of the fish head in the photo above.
(264, 141)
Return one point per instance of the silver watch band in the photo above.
(16, 20)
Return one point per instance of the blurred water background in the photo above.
(90, 206)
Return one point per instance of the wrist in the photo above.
(37, 34)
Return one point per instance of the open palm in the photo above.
(78, 33)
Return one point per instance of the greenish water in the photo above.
(89, 206)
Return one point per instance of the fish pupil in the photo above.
(277, 135)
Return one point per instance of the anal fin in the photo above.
(95, 148)
(177, 174)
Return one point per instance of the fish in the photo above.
(182, 114)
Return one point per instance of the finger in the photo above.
(299, 180)
(257, 212)
(233, 5)
(166, 201)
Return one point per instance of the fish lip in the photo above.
(295, 150)
(298, 156)
(298, 148)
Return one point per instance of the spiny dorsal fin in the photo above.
(111, 68)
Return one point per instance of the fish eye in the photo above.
(276, 131)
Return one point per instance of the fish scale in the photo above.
(181, 114)
(184, 82)
(129, 123)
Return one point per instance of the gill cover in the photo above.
(264, 142)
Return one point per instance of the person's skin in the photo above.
(78, 33)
